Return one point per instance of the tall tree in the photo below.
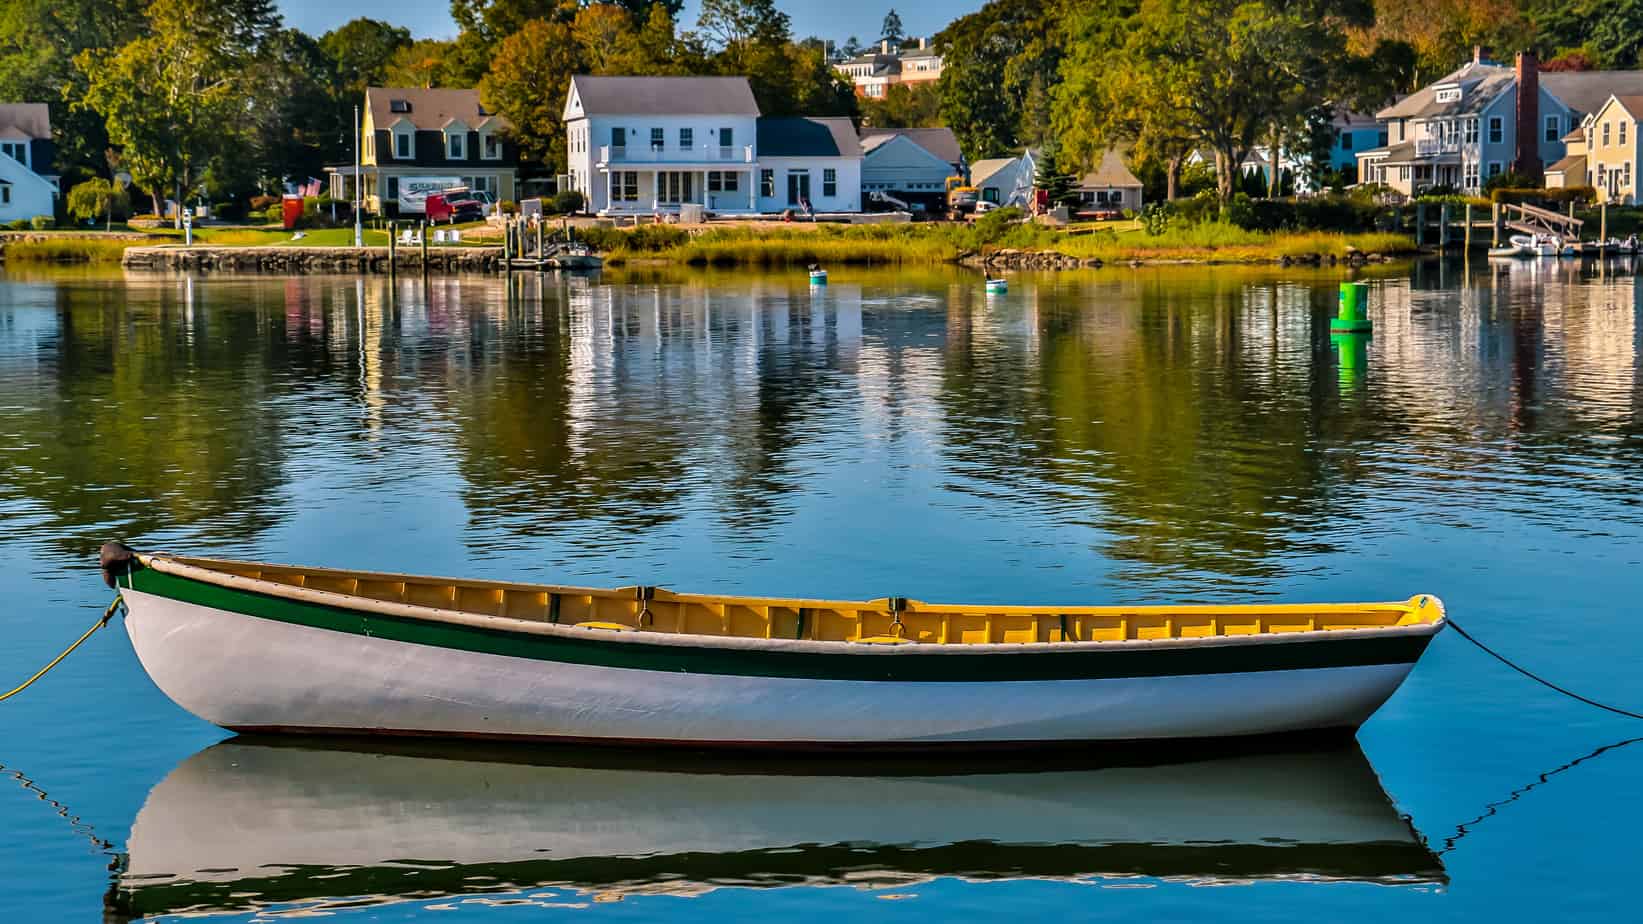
(424, 63)
(528, 82)
(1228, 73)
(301, 125)
(484, 24)
(361, 51)
(39, 40)
(177, 97)
(892, 30)
(990, 60)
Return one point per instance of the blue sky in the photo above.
(833, 19)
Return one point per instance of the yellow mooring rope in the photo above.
(101, 622)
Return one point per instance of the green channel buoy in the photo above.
(1353, 315)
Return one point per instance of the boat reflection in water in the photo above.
(247, 824)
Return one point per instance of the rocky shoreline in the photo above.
(205, 258)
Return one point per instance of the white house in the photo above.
(809, 163)
(28, 187)
(910, 163)
(643, 145)
(1006, 180)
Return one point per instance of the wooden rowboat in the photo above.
(260, 647)
(302, 826)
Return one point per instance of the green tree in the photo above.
(1611, 32)
(424, 63)
(176, 97)
(1053, 178)
(528, 82)
(98, 197)
(892, 30)
(361, 51)
(733, 26)
(39, 40)
(304, 122)
(1228, 73)
(903, 106)
(990, 61)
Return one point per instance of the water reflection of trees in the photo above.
(1173, 414)
(638, 406)
(141, 409)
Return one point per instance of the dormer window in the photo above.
(454, 145)
(490, 146)
(399, 105)
(404, 143)
(1450, 94)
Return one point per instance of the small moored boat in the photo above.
(996, 285)
(261, 647)
(818, 276)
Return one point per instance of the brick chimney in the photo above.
(1527, 161)
(884, 46)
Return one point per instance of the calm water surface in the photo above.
(1117, 435)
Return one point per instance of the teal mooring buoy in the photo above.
(1353, 315)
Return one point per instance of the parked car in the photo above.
(487, 201)
(453, 205)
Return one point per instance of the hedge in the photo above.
(1531, 196)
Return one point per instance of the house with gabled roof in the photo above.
(28, 182)
(911, 164)
(1110, 186)
(1603, 152)
(650, 145)
(418, 140)
(1485, 119)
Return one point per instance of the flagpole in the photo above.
(359, 236)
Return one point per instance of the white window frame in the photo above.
(456, 145)
(405, 150)
(1497, 130)
(1553, 127)
(830, 182)
(1605, 133)
(490, 146)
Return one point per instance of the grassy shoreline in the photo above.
(786, 246)
(929, 244)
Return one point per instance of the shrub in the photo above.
(1158, 218)
(21, 224)
(567, 200)
(993, 225)
(1511, 179)
(508, 207)
(275, 213)
(228, 210)
(1531, 196)
(42, 222)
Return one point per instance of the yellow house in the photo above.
(1612, 149)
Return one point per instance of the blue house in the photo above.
(1354, 132)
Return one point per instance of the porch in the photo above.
(649, 190)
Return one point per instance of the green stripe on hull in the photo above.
(1081, 662)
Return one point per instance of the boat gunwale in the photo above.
(184, 567)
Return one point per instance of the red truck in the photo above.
(453, 205)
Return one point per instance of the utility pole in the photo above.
(359, 235)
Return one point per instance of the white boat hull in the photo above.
(249, 673)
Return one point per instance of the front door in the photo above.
(798, 188)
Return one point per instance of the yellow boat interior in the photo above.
(892, 620)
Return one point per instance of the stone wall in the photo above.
(311, 259)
